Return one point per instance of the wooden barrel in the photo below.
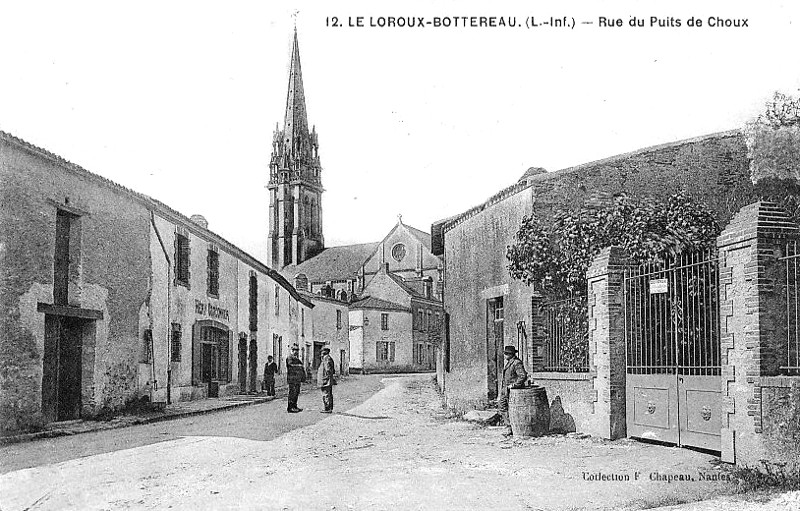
(529, 411)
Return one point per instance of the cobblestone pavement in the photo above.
(397, 450)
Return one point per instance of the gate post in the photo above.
(751, 321)
(607, 342)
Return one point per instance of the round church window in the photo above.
(398, 252)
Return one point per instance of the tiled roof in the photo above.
(334, 263)
(376, 303)
(155, 206)
(407, 288)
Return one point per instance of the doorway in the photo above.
(62, 367)
(495, 318)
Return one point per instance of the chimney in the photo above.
(199, 220)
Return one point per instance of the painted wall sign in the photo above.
(210, 310)
(658, 286)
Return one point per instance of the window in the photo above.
(147, 343)
(175, 338)
(498, 309)
(338, 319)
(420, 354)
(429, 326)
(438, 324)
(277, 300)
(398, 252)
(384, 321)
(419, 319)
(213, 272)
(302, 322)
(384, 351)
(182, 260)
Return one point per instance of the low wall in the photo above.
(570, 396)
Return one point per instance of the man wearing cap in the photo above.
(326, 379)
(295, 375)
(514, 377)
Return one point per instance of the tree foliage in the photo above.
(554, 256)
(773, 140)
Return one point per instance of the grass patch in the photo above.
(768, 476)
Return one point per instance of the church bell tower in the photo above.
(295, 180)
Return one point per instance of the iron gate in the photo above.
(672, 343)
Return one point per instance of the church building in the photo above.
(296, 245)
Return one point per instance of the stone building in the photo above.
(394, 327)
(487, 308)
(747, 405)
(335, 276)
(330, 328)
(110, 296)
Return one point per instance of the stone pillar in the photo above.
(607, 343)
(752, 323)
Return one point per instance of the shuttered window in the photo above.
(182, 260)
(253, 303)
(213, 273)
(176, 338)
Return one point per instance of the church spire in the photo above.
(295, 123)
(295, 179)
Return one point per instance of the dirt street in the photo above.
(397, 450)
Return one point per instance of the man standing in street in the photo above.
(514, 377)
(270, 368)
(326, 379)
(295, 375)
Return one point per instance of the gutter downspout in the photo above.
(169, 303)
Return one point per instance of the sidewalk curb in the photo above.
(136, 421)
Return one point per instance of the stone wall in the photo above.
(109, 273)
(713, 169)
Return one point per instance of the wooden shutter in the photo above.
(196, 355)
(391, 352)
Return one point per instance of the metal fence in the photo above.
(566, 335)
(672, 316)
(790, 360)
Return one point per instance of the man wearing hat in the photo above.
(514, 377)
(295, 375)
(326, 379)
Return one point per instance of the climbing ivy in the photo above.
(553, 256)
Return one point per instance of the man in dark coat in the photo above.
(514, 377)
(326, 379)
(270, 368)
(295, 375)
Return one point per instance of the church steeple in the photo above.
(295, 121)
(295, 179)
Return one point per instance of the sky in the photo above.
(179, 100)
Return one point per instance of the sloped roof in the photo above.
(155, 206)
(423, 236)
(333, 263)
(402, 283)
(376, 303)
